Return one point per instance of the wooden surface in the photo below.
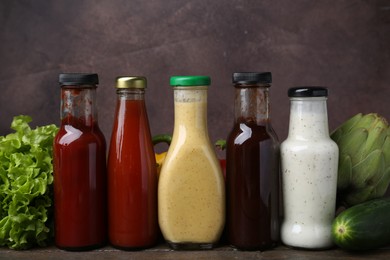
(163, 252)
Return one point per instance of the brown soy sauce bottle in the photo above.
(252, 169)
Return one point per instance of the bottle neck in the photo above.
(191, 108)
(130, 106)
(130, 94)
(78, 105)
(308, 118)
(251, 104)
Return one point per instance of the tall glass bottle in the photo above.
(79, 167)
(252, 170)
(132, 172)
(309, 171)
(191, 193)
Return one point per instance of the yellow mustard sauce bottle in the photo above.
(191, 189)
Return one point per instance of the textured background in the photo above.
(344, 45)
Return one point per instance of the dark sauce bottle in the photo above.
(252, 169)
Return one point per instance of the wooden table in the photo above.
(163, 252)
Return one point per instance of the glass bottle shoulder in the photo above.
(245, 132)
(70, 133)
(189, 153)
(301, 144)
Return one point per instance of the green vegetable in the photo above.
(364, 226)
(364, 162)
(220, 144)
(26, 177)
(160, 157)
(162, 138)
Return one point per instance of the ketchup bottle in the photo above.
(132, 171)
(252, 169)
(79, 167)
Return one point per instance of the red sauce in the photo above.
(132, 179)
(79, 185)
(252, 188)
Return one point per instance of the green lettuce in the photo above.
(26, 179)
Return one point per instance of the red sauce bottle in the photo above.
(132, 171)
(79, 167)
(252, 170)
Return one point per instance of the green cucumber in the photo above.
(364, 226)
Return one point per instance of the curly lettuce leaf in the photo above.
(26, 178)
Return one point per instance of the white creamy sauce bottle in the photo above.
(309, 161)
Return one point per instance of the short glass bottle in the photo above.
(191, 189)
(309, 161)
(132, 172)
(79, 167)
(252, 167)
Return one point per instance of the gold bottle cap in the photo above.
(138, 82)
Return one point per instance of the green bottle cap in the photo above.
(190, 81)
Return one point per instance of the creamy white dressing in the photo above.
(309, 173)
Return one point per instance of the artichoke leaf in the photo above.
(386, 148)
(366, 121)
(376, 137)
(352, 143)
(344, 172)
(382, 185)
(336, 136)
(366, 169)
(346, 126)
(357, 196)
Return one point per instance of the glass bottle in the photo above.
(79, 167)
(309, 171)
(252, 170)
(132, 172)
(191, 193)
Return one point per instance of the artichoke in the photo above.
(364, 161)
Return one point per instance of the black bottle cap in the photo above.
(252, 78)
(71, 79)
(306, 91)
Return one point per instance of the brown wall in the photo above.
(344, 45)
